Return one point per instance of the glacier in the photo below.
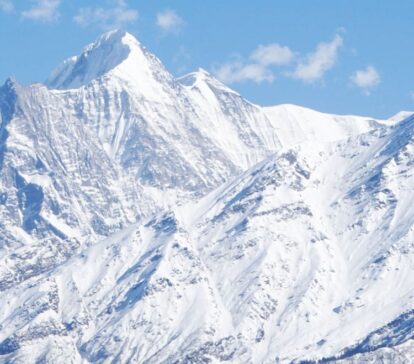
(146, 218)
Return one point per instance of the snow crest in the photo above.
(147, 218)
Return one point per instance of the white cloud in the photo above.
(6, 6)
(169, 21)
(316, 64)
(236, 71)
(115, 16)
(366, 79)
(258, 67)
(272, 54)
(43, 11)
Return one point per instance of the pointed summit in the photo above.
(115, 53)
(107, 52)
(203, 77)
(192, 78)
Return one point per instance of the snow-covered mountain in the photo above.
(145, 218)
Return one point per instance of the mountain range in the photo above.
(151, 219)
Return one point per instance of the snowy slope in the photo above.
(294, 124)
(145, 218)
(113, 138)
(286, 261)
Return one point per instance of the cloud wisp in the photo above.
(366, 79)
(237, 71)
(117, 15)
(169, 21)
(258, 67)
(272, 54)
(6, 6)
(317, 63)
(46, 11)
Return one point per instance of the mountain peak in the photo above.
(104, 56)
(115, 37)
(190, 79)
(400, 116)
(203, 77)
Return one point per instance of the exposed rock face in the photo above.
(150, 219)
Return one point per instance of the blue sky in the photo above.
(342, 56)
